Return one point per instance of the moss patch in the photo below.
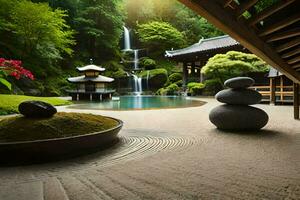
(19, 128)
(9, 103)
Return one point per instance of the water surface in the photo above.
(138, 103)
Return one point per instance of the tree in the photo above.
(36, 32)
(192, 26)
(99, 25)
(159, 36)
(231, 64)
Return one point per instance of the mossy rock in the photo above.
(172, 89)
(19, 128)
(157, 77)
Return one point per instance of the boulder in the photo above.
(238, 117)
(239, 96)
(37, 109)
(239, 82)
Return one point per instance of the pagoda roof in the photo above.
(204, 45)
(90, 68)
(82, 79)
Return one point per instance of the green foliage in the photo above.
(114, 70)
(231, 64)
(99, 26)
(38, 30)
(5, 83)
(9, 103)
(195, 88)
(157, 77)
(19, 128)
(172, 89)
(147, 63)
(212, 86)
(167, 64)
(173, 78)
(159, 36)
(190, 24)
(193, 26)
(153, 72)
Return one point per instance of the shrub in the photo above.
(175, 77)
(179, 83)
(170, 90)
(212, 86)
(231, 64)
(147, 63)
(195, 88)
(160, 36)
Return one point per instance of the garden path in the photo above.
(172, 154)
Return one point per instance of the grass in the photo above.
(19, 128)
(9, 103)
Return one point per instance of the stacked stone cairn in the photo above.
(236, 114)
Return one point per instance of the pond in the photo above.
(139, 103)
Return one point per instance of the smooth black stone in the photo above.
(239, 96)
(239, 82)
(37, 109)
(238, 117)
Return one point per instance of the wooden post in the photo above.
(272, 91)
(193, 73)
(296, 100)
(281, 89)
(100, 97)
(91, 97)
(77, 97)
(184, 76)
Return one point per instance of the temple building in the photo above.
(194, 57)
(275, 87)
(91, 85)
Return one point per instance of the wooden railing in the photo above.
(282, 93)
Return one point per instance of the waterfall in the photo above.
(148, 74)
(137, 89)
(137, 82)
(136, 59)
(126, 39)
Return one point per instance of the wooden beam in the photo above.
(288, 45)
(279, 25)
(269, 11)
(296, 66)
(244, 7)
(227, 3)
(296, 100)
(294, 60)
(283, 35)
(291, 53)
(226, 21)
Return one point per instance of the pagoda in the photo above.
(91, 85)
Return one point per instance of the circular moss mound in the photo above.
(61, 125)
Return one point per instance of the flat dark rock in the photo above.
(238, 117)
(239, 82)
(239, 96)
(36, 109)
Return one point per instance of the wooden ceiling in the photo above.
(268, 28)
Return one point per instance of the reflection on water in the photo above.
(138, 102)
